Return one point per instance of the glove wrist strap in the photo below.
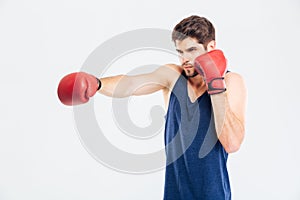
(99, 84)
(216, 86)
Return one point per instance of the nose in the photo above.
(184, 59)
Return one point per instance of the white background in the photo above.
(41, 156)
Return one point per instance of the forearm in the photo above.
(230, 129)
(125, 86)
(110, 86)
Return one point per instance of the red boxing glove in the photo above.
(212, 66)
(76, 88)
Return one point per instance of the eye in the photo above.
(179, 52)
(192, 49)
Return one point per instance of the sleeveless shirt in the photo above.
(196, 161)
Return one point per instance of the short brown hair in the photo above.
(196, 27)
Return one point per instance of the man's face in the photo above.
(188, 49)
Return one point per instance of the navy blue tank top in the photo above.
(196, 161)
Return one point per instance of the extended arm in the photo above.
(76, 88)
(124, 85)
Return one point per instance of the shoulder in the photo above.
(169, 71)
(233, 75)
(175, 68)
(235, 84)
(174, 71)
(234, 78)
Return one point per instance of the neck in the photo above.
(196, 81)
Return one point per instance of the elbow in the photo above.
(233, 147)
(234, 144)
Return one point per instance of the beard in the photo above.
(191, 74)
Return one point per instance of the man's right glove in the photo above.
(76, 88)
(212, 67)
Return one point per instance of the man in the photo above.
(206, 110)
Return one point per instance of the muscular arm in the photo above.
(125, 85)
(229, 112)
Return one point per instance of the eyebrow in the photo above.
(188, 49)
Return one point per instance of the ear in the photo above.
(211, 45)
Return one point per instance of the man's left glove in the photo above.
(212, 66)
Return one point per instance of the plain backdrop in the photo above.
(41, 156)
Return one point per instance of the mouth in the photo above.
(187, 66)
